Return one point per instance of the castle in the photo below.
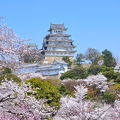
(57, 44)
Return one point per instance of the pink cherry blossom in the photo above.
(79, 108)
(15, 104)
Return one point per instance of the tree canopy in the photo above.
(109, 60)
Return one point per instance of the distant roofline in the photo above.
(57, 27)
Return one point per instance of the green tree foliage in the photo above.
(79, 59)
(104, 68)
(117, 80)
(94, 69)
(109, 60)
(117, 88)
(10, 77)
(63, 90)
(44, 89)
(109, 97)
(77, 73)
(5, 70)
(92, 55)
(67, 60)
(109, 73)
(6, 74)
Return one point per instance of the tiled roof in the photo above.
(58, 35)
(57, 27)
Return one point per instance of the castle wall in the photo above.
(50, 59)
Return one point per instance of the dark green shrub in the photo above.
(109, 75)
(117, 79)
(10, 77)
(104, 69)
(109, 97)
(77, 73)
(116, 74)
(63, 90)
(7, 70)
(69, 74)
(44, 89)
(94, 69)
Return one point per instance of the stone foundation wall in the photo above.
(51, 59)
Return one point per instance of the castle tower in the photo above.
(57, 44)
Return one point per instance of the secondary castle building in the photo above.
(57, 44)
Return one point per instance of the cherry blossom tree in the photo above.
(100, 81)
(14, 49)
(75, 108)
(17, 104)
(10, 43)
(30, 53)
(79, 108)
(107, 112)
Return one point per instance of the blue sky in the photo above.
(92, 23)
